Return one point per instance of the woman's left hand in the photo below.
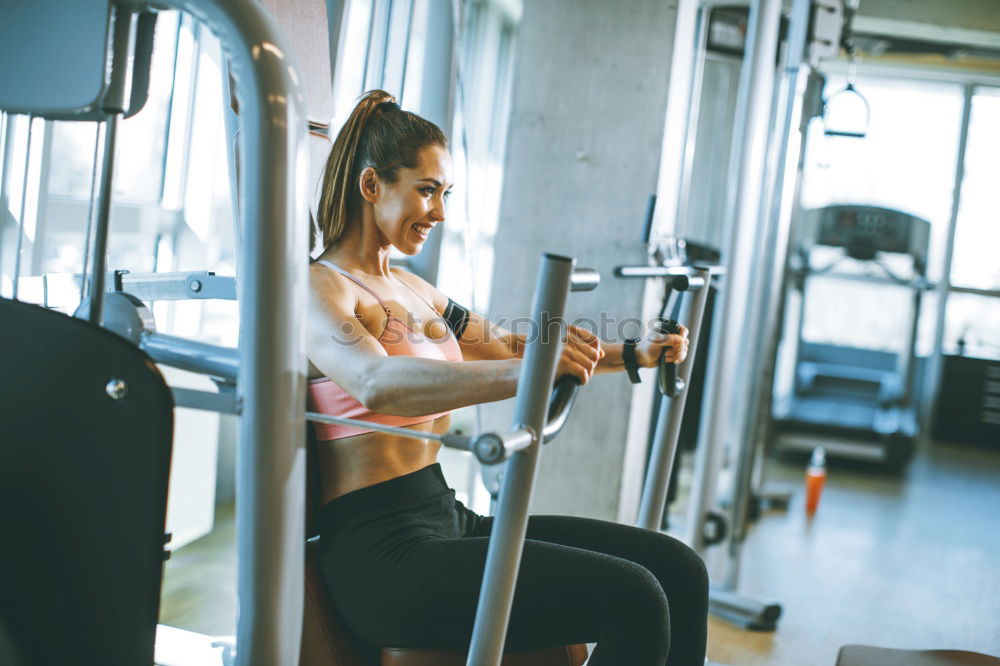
(673, 348)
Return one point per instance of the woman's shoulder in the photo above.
(328, 285)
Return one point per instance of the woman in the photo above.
(402, 558)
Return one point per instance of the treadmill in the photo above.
(856, 403)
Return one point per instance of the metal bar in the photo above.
(222, 402)
(748, 613)
(993, 293)
(668, 423)
(273, 279)
(489, 448)
(768, 296)
(493, 448)
(932, 382)
(906, 366)
(676, 121)
(666, 271)
(691, 127)
(727, 348)
(193, 356)
(179, 286)
(113, 104)
(915, 283)
(91, 205)
(585, 279)
(99, 251)
(507, 538)
(20, 217)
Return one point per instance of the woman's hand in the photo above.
(580, 353)
(673, 348)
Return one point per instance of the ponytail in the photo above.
(377, 134)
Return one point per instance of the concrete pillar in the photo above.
(586, 129)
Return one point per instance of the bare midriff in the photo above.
(357, 462)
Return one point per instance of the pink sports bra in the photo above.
(327, 397)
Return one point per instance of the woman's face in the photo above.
(407, 210)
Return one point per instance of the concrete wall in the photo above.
(586, 128)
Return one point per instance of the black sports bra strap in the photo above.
(355, 281)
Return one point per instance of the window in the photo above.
(976, 262)
(478, 146)
(906, 161)
(899, 164)
(139, 164)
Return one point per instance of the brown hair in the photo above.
(380, 135)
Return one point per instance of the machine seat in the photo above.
(864, 655)
(326, 640)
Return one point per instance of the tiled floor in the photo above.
(900, 561)
(907, 561)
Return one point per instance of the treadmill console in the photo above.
(864, 231)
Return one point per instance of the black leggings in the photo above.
(404, 560)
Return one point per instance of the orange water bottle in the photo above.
(815, 478)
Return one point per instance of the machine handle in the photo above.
(560, 405)
(670, 384)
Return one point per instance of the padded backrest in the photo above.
(53, 58)
(83, 491)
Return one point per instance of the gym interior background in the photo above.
(565, 118)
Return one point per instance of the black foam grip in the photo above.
(667, 375)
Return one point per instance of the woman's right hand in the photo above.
(580, 353)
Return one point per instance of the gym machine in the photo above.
(96, 83)
(252, 379)
(672, 385)
(768, 108)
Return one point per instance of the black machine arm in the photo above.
(560, 405)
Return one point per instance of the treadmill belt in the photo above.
(840, 414)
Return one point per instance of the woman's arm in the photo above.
(484, 340)
(346, 352)
(648, 351)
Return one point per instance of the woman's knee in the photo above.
(643, 602)
(640, 624)
(694, 567)
(679, 564)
